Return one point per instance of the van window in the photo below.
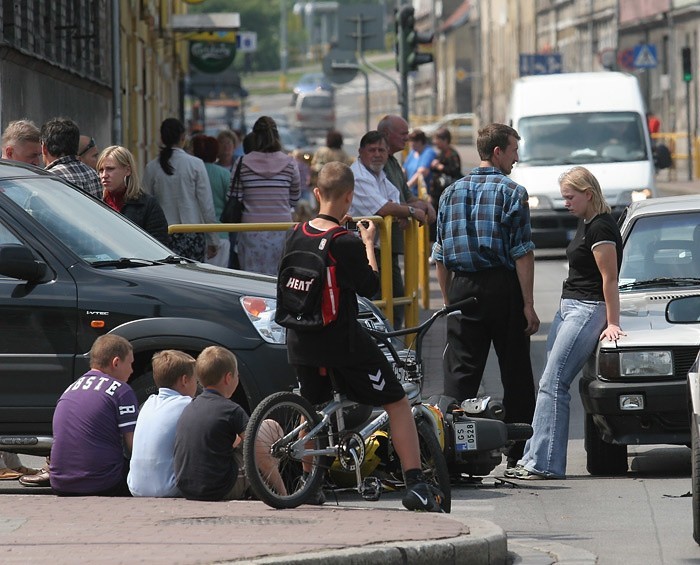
(570, 139)
(316, 102)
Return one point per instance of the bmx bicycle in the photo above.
(304, 442)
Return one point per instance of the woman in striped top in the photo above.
(270, 181)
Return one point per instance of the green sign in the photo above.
(211, 57)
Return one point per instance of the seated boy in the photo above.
(209, 434)
(359, 366)
(152, 472)
(94, 424)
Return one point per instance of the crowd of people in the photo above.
(482, 247)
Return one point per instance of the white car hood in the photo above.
(643, 319)
(614, 178)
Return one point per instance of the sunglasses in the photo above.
(87, 147)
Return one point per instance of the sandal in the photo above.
(9, 474)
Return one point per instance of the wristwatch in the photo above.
(411, 211)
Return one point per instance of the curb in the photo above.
(486, 544)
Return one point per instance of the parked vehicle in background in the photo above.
(315, 113)
(72, 269)
(592, 119)
(634, 391)
(312, 82)
(686, 310)
(462, 127)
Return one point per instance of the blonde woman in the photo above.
(589, 311)
(123, 193)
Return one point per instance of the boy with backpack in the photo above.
(322, 328)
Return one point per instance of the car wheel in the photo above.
(602, 458)
(695, 464)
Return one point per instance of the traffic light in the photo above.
(409, 40)
(687, 64)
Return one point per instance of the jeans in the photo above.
(575, 331)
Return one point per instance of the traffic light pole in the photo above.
(690, 141)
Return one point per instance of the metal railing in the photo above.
(678, 146)
(416, 250)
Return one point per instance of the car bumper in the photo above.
(664, 418)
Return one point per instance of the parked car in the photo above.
(462, 127)
(686, 310)
(315, 112)
(72, 269)
(635, 390)
(312, 82)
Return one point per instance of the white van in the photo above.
(596, 120)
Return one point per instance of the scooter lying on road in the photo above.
(476, 437)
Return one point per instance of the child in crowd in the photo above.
(152, 471)
(94, 423)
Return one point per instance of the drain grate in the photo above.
(252, 520)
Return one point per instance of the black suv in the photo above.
(72, 269)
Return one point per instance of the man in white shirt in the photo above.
(375, 195)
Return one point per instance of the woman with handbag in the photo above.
(269, 183)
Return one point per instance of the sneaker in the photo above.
(512, 472)
(315, 499)
(424, 497)
(524, 474)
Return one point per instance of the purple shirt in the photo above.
(92, 414)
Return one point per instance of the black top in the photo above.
(585, 281)
(146, 213)
(204, 465)
(342, 343)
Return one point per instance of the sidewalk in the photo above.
(44, 528)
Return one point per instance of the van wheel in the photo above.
(602, 458)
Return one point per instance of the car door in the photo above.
(37, 339)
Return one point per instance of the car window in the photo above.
(595, 137)
(662, 246)
(91, 230)
(316, 102)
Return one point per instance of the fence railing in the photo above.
(416, 251)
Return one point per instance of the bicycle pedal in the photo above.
(370, 489)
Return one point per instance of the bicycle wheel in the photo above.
(433, 463)
(275, 476)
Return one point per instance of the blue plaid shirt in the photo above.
(483, 223)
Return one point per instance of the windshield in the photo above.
(663, 250)
(568, 139)
(94, 232)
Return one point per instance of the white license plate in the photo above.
(465, 436)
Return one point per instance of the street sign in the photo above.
(540, 63)
(340, 65)
(211, 57)
(625, 58)
(645, 56)
(247, 41)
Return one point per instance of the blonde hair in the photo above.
(169, 365)
(334, 180)
(124, 157)
(213, 363)
(581, 179)
(20, 131)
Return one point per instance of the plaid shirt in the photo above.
(75, 171)
(483, 223)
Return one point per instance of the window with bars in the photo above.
(73, 34)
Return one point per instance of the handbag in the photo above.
(233, 209)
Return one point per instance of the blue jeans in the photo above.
(575, 331)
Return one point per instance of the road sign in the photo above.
(247, 41)
(340, 65)
(368, 19)
(645, 56)
(625, 58)
(540, 63)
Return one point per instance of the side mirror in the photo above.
(684, 310)
(18, 262)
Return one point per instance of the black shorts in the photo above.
(374, 384)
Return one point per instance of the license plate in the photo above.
(465, 436)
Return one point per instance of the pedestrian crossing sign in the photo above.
(645, 56)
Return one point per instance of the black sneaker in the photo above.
(424, 497)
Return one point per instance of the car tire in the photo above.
(695, 465)
(602, 458)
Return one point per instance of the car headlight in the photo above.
(646, 364)
(540, 202)
(261, 313)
